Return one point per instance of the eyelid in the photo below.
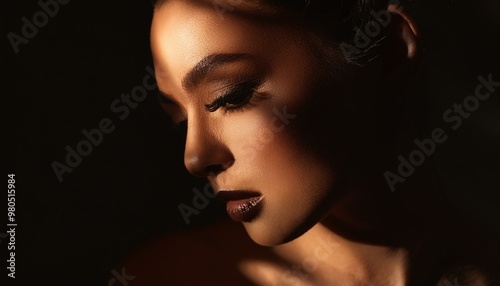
(165, 99)
(176, 114)
(180, 124)
(248, 85)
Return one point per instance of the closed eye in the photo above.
(238, 98)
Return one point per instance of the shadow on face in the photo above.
(270, 108)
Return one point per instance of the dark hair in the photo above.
(342, 15)
(336, 21)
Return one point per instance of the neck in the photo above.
(323, 257)
(367, 238)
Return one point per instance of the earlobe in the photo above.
(409, 32)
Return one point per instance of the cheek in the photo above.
(295, 184)
(294, 179)
(272, 158)
(248, 134)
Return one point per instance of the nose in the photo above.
(205, 154)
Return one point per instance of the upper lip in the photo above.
(234, 195)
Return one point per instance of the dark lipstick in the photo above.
(242, 206)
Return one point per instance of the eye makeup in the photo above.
(239, 97)
(172, 109)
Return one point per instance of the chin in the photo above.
(273, 233)
(265, 235)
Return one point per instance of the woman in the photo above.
(296, 113)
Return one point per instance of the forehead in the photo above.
(183, 32)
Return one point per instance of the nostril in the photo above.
(213, 170)
(228, 164)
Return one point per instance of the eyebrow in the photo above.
(203, 67)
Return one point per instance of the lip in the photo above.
(242, 206)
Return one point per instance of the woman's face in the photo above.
(248, 88)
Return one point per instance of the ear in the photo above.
(398, 63)
(401, 49)
(407, 31)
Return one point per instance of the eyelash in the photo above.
(181, 125)
(246, 92)
(243, 93)
(177, 124)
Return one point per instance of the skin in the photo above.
(219, 140)
(319, 172)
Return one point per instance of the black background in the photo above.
(128, 189)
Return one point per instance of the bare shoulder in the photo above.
(210, 255)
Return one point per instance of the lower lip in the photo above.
(244, 210)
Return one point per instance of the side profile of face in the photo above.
(257, 120)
